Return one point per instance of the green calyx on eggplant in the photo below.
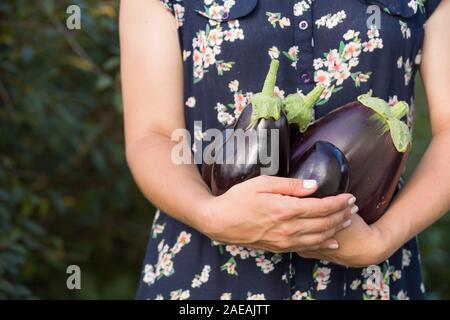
(375, 143)
(299, 108)
(390, 118)
(267, 149)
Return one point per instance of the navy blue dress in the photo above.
(349, 46)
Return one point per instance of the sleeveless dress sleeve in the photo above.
(430, 6)
(176, 8)
(168, 4)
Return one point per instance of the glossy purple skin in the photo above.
(207, 168)
(375, 164)
(221, 177)
(327, 165)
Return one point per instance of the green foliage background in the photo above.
(66, 194)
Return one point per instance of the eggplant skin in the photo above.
(223, 176)
(206, 168)
(326, 164)
(376, 166)
(242, 122)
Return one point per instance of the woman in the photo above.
(200, 60)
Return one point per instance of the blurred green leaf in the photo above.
(111, 63)
(103, 83)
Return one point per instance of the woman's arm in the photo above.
(263, 213)
(426, 197)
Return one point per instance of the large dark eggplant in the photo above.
(375, 143)
(238, 160)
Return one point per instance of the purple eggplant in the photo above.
(326, 164)
(374, 141)
(259, 142)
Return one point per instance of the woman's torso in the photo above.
(350, 46)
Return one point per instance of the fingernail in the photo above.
(354, 210)
(351, 201)
(333, 246)
(309, 184)
(347, 223)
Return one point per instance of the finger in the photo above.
(289, 246)
(255, 246)
(339, 220)
(285, 186)
(314, 207)
(315, 239)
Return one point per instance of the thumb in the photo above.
(286, 186)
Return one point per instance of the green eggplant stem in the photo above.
(271, 79)
(312, 97)
(390, 117)
(265, 104)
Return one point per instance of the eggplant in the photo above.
(326, 164)
(372, 138)
(206, 168)
(238, 160)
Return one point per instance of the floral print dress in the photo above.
(349, 46)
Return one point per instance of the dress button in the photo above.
(225, 16)
(303, 25)
(306, 78)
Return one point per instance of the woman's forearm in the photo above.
(425, 198)
(175, 189)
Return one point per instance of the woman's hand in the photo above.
(359, 246)
(267, 213)
(426, 196)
